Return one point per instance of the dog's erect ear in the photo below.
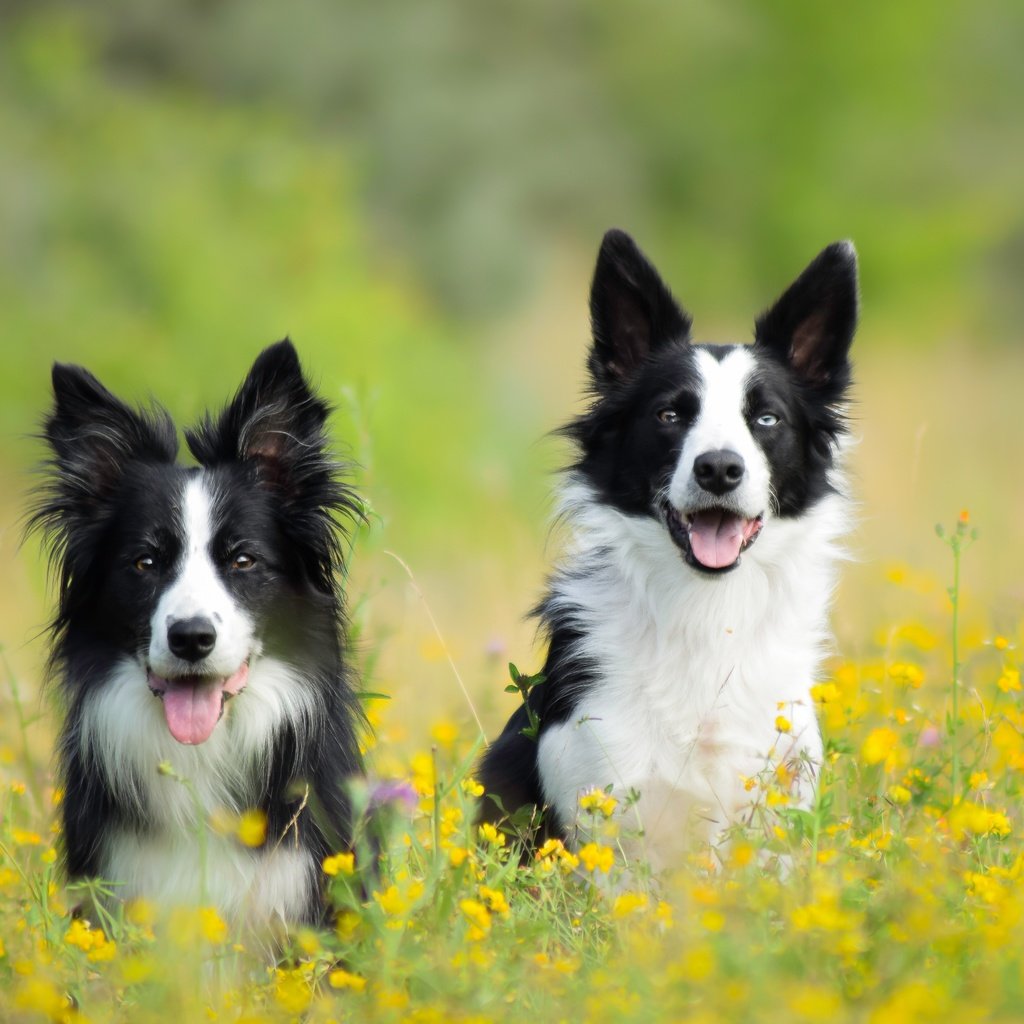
(276, 425)
(631, 310)
(812, 325)
(94, 436)
(275, 420)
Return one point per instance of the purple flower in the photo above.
(395, 793)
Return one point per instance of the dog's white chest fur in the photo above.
(690, 673)
(179, 858)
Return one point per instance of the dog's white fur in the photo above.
(199, 591)
(692, 671)
(123, 734)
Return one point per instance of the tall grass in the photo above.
(897, 897)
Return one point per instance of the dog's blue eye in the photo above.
(145, 563)
(243, 562)
(767, 419)
(667, 416)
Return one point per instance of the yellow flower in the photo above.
(444, 734)
(90, 940)
(252, 828)
(698, 963)
(141, 912)
(970, 819)
(712, 920)
(782, 723)
(23, 838)
(479, 918)
(423, 774)
(596, 857)
(1000, 643)
(490, 835)
(212, 926)
(41, 997)
(457, 855)
(879, 745)
(978, 780)
(472, 788)
(495, 900)
(451, 821)
(553, 853)
(814, 1002)
(899, 794)
(339, 864)
(1009, 680)
(598, 801)
(825, 693)
(394, 902)
(347, 924)
(627, 903)
(292, 991)
(904, 673)
(340, 978)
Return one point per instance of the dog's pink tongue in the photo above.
(716, 538)
(192, 710)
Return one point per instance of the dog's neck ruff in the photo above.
(624, 582)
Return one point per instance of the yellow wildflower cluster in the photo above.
(553, 855)
(91, 941)
(596, 857)
(597, 801)
(339, 864)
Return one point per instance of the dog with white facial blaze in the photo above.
(705, 507)
(200, 628)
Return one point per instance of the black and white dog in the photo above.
(705, 507)
(200, 626)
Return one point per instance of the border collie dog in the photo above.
(705, 508)
(200, 629)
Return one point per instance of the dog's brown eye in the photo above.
(145, 563)
(668, 416)
(243, 562)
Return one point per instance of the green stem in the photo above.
(955, 723)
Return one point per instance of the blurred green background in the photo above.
(415, 193)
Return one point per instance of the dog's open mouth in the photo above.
(712, 539)
(193, 705)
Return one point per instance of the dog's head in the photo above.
(190, 573)
(714, 441)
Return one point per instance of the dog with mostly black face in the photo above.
(198, 643)
(705, 508)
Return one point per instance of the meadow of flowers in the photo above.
(896, 898)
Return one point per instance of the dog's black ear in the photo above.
(94, 436)
(632, 312)
(273, 419)
(812, 325)
(277, 424)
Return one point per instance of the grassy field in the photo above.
(896, 898)
(417, 202)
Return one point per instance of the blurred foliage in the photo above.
(163, 241)
(739, 137)
(415, 193)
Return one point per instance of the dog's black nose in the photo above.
(719, 471)
(191, 639)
